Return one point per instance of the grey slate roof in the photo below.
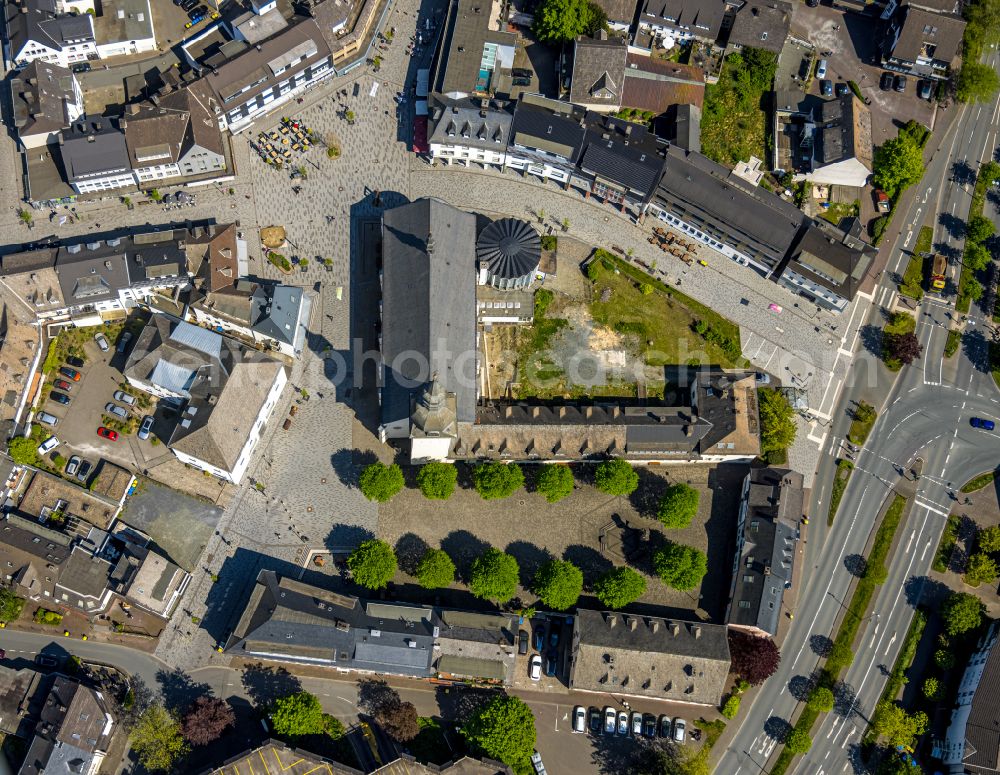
(823, 256)
(461, 121)
(844, 130)
(761, 24)
(702, 18)
(548, 125)
(622, 152)
(275, 311)
(40, 93)
(93, 147)
(622, 11)
(36, 20)
(429, 303)
(598, 71)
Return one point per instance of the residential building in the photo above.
(972, 743)
(46, 99)
(678, 21)
(655, 85)
(22, 694)
(224, 391)
(121, 27)
(547, 138)
(648, 657)
(842, 143)
(826, 265)
(217, 257)
(767, 531)
(762, 25)
(923, 43)
(620, 13)
(36, 29)
(621, 162)
(73, 733)
(475, 53)
(598, 72)
(94, 155)
(469, 131)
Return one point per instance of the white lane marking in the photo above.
(889, 645)
(929, 507)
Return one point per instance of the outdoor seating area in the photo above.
(670, 243)
(278, 146)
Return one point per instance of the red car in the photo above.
(107, 433)
(63, 384)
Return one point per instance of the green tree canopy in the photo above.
(23, 451)
(777, 421)
(681, 567)
(616, 477)
(10, 605)
(157, 740)
(372, 564)
(558, 584)
(560, 21)
(678, 505)
(436, 480)
(503, 730)
(435, 569)
(798, 741)
(896, 725)
(379, 482)
(296, 715)
(554, 481)
(898, 163)
(497, 480)
(961, 612)
(979, 228)
(494, 576)
(976, 257)
(976, 82)
(988, 539)
(619, 587)
(821, 699)
(980, 569)
(933, 690)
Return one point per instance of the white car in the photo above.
(48, 445)
(821, 69)
(579, 720)
(536, 762)
(610, 720)
(125, 398)
(680, 731)
(102, 342)
(73, 466)
(535, 668)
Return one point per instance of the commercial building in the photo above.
(475, 55)
(39, 29)
(648, 657)
(469, 131)
(922, 43)
(46, 99)
(94, 155)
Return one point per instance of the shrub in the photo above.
(944, 658)
(379, 482)
(554, 481)
(435, 569)
(558, 584)
(44, 616)
(619, 587)
(616, 477)
(678, 506)
(549, 241)
(436, 480)
(10, 605)
(933, 690)
(731, 706)
(497, 480)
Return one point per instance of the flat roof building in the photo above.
(475, 53)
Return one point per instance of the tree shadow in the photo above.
(529, 559)
(925, 590)
(179, 690)
(821, 645)
(801, 686)
(952, 225)
(463, 548)
(591, 562)
(845, 700)
(266, 683)
(777, 728)
(348, 463)
(462, 702)
(375, 695)
(646, 498)
(962, 173)
(345, 538)
(856, 565)
(977, 349)
(410, 548)
(871, 339)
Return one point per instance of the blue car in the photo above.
(59, 398)
(539, 638)
(986, 425)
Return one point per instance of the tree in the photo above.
(976, 82)
(988, 540)
(296, 715)
(979, 228)
(497, 480)
(206, 720)
(157, 741)
(731, 707)
(777, 421)
(961, 612)
(616, 477)
(372, 564)
(896, 725)
(554, 481)
(678, 505)
(840, 653)
(976, 257)
(980, 569)
(898, 163)
(904, 348)
(972, 289)
(619, 587)
(681, 567)
(503, 730)
(436, 480)
(933, 690)
(560, 21)
(23, 451)
(944, 659)
(400, 721)
(435, 569)
(754, 658)
(820, 699)
(379, 482)
(494, 576)
(558, 584)
(798, 742)
(10, 605)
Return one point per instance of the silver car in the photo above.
(116, 410)
(146, 427)
(102, 342)
(125, 398)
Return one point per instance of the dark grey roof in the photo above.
(21, 694)
(464, 118)
(459, 58)
(91, 272)
(37, 20)
(687, 127)
(509, 248)
(622, 152)
(936, 36)
(702, 18)
(761, 24)
(41, 94)
(618, 10)
(92, 147)
(428, 301)
(547, 125)
(830, 258)
(598, 71)
(275, 311)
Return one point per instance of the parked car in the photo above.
(885, 82)
(882, 201)
(48, 445)
(59, 398)
(680, 731)
(554, 636)
(842, 88)
(821, 69)
(44, 660)
(595, 721)
(665, 727)
(826, 88)
(579, 720)
(535, 668)
(102, 342)
(812, 3)
(522, 635)
(107, 433)
(74, 361)
(81, 67)
(551, 663)
(73, 465)
(63, 385)
(986, 425)
(636, 724)
(925, 89)
(47, 419)
(117, 411)
(123, 341)
(536, 762)
(622, 722)
(68, 373)
(125, 398)
(84, 472)
(899, 83)
(539, 638)
(763, 378)
(147, 426)
(609, 720)
(649, 725)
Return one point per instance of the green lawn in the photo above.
(948, 540)
(837, 211)
(862, 424)
(925, 240)
(913, 279)
(981, 481)
(840, 479)
(952, 343)
(733, 123)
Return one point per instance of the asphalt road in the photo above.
(923, 414)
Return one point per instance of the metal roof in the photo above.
(509, 248)
(200, 339)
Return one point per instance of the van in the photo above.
(46, 418)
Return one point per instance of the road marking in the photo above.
(926, 547)
(927, 506)
(889, 646)
(847, 737)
